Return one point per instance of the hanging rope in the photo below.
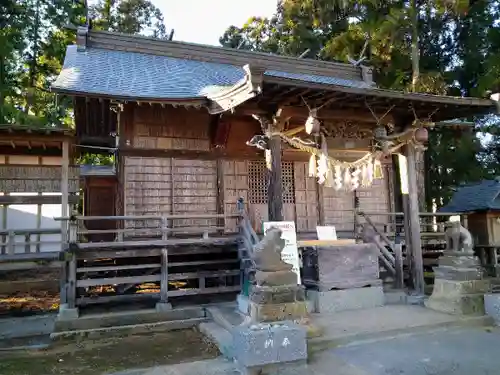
(344, 164)
(335, 173)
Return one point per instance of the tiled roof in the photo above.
(475, 197)
(148, 76)
(97, 170)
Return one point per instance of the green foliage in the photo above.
(96, 159)
(33, 41)
(129, 17)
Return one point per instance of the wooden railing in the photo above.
(390, 253)
(26, 245)
(158, 238)
(164, 226)
(394, 226)
(392, 244)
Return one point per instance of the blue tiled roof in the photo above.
(475, 197)
(140, 75)
(97, 170)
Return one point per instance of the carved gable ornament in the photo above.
(346, 130)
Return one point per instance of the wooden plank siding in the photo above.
(148, 188)
(306, 202)
(235, 187)
(160, 184)
(376, 198)
(194, 190)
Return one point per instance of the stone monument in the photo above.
(459, 286)
(270, 340)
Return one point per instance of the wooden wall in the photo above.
(376, 198)
(482, 228)
(158, 180)
(170, 128)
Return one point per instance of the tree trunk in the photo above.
(30, 91)
(415, 48)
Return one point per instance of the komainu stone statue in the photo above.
(271, 270)
(459, 287)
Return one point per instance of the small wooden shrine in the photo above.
(194, 128)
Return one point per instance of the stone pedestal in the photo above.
(458, 297)
(276, 324)
(333, 301)
(263, 348)
(458, 285)
(277, 303)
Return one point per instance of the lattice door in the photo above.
(257, 192)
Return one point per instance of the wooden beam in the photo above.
(414, 222)
(36, 199)
(303, 112)
(35, 151)
(51, 138)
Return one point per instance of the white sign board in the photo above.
(326, 233)
(403, 173)
(290, 253)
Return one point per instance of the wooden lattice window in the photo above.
(258, 182)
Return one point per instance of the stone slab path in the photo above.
(455, 351)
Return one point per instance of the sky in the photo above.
(204, 21)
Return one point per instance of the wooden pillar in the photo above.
(220, 195)
(39, 216)
(413, 218)
(275, 186)
(64, 223)
(5, 209)
(71, 285)
(163, 304)
(64, 193)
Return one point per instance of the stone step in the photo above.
(127, 318)
(227, 317)
(220, 337)
(128, 330)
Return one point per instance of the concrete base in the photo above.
(395, 297)
(242, 303)
(492, 306)
(348, 299)
(458, 297)
(163, 306)
(65, 313)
